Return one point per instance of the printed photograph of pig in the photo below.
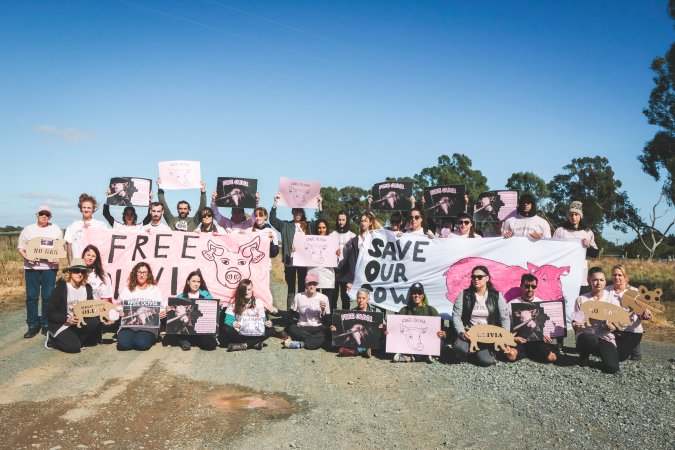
(505, 278)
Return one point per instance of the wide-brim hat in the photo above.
(76, 264)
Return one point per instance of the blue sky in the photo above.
(345, 92)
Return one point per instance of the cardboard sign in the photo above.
(141, 314)
(315, 251)
(392, 196)
(490, 334)
(533, 321)
(48, 249)
(413, 335)
(643, 299)
(129, 191)
(444, 201)
(495, 206)
(236, 192)
(606, 312)
(180, 174)
(94, 308)
(298, 193)
(188, 316)
(357, 329)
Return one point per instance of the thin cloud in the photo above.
(67, 135)
(53, 200)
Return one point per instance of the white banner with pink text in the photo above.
(224, 260)
(387, 266)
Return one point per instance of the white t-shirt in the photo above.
(524, 226)
(75, 233)
(456, 234)
(564, 233)
(102, 288)
(480, 312)
(342, 239)
(151, 293)
(161, 227)
(309, 308)
(51, 231)
(636, 325)
(121, 226)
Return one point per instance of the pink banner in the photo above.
(224, 260)
(180, 174)
(315, 251)
(413, 335)
(298, 194)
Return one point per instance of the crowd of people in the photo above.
(246, 323)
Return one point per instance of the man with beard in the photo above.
(182, 222)
(153, 221)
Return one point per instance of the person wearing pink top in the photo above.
(598, 339)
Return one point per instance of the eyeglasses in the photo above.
(464, 222)
(144, 272)
(530, 286)
(478, 277)
(415, 217)
(44, 213)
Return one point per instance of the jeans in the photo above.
(128, 339)
(37, 282)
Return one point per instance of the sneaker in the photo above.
(185, 344)
(48, 342)
(345, 351)
(32, 332)
(429, 359)
(286, 342)
(402, 358)
(296, 344)
(257, 346)
(368, 353)
(236, 347)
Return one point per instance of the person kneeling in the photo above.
(314, 310)
(246, 322)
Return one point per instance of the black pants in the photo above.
(203, 341)
(232, 336)
(535, 350)
(72, 339)
(340, 292)
(314, 337)
(589, 343)
(626, 342)
(295, 277)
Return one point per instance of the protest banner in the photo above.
(444, 201)
(129, 191)
(192, 316)
(357, 329)
(234, 192)
(387, 266)
(392, 196)
(298, 193)
(224, 260)
(180, 174)
(315, 251)
(413, 335)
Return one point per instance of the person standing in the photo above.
(153, 221)
(182, 222)
(343, 235)
(40, 275)
(75, 231)
(526, 223)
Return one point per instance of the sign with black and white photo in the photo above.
(495, 206)
(141, 313)
(533, 321)
(392, 196)
(190, 316)
(357, 329)
(444, 201)
(235, 192)
(251, 325)
(129, 191)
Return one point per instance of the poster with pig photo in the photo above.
(357, 329)
(392, 196)
(298, 193)
(128, 191)
(413, 335)
(533, 321)
(189, 316)
(444, 201)
(236, 192)
(495, 206)
(141, 313)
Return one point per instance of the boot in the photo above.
(236, 347)
(345, 351)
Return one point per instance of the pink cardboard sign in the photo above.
(413, 335)
(224, 260)
(315, 251)
(298, 193)
(180, 174)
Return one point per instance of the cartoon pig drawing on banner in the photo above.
(505, 278)
(316, 252)
(232, 267)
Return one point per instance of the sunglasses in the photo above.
(415, 217)
(478, 277)
(80, 271)
(44, 213)
(207, 215)
(530, 286)
(464, 222)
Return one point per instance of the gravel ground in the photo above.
(274, 398)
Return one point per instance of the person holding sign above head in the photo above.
(246, 325)
(40, 275)
(295, 276)
(64, 333)
(129, 217)
(137, 304)
(343, 235)
(182, 222)
(481, 303)
(313, 309)
(526, 223)
(598, 338)
(195, 288)
(326, 275)
(362, 304)
(206, 222)
(418, 305)
(75, 230)
(238, 220)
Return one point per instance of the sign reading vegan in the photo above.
(357, 329)
(533, 321)
(298, 193)
(236, 192)
(129, 191)
(444, 201)
(413, 335)
(315, 251)
(495, 206)
(48, 249)
(140, 313)
(180, 174)
(224, 260)
(191, 316)
(392, 196)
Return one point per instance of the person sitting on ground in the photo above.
(195, 288)
(526, 223)
(362, 304)
(481, 303)
(246, 324)
(313, 309)
(539, 350)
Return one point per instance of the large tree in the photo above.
(452, 170)
(528, 182)
(351, 199)
(658, 155)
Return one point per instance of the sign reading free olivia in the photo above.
(224, 260)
